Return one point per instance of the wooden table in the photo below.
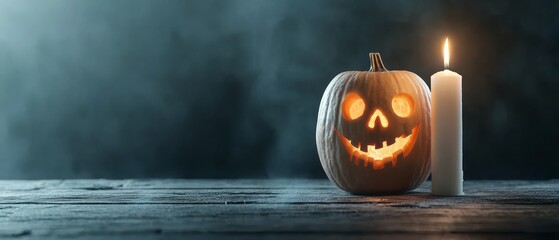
(271, 209)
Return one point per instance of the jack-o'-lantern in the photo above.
(373, 130)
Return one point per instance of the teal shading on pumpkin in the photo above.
(373, 130)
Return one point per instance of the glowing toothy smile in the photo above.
(380, 155)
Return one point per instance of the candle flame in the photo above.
(446, 54)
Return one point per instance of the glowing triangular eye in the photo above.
(402, 105)
(353, 106)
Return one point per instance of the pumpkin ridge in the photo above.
(377, 89)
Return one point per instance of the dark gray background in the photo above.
(230, 88)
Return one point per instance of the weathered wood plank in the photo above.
(271, 208)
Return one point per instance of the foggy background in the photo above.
(230, 88)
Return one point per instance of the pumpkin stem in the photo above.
(376, 63)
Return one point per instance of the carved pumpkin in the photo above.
(373, 130)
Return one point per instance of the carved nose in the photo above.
(377, 119)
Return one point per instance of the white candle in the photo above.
(446, 131)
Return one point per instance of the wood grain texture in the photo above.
(271, 209)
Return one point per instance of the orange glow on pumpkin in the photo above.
(402, 105)
(378, 114)
(353, 106)
(378, 156)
